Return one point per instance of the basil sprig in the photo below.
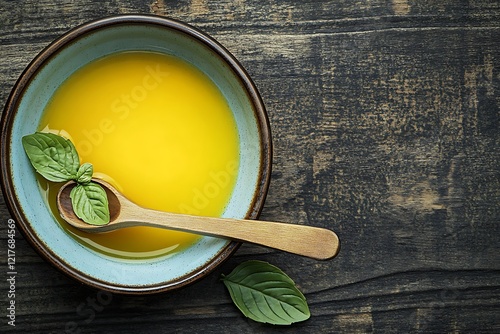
(266, 294)
(56, 159)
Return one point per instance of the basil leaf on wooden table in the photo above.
(90, 203)
(53, 156)
(266, 294)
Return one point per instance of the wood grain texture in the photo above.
(385, 118)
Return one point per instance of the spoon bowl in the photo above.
(313, 242)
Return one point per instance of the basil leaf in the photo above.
(266, 294)
(53, 156)
(90, 203)
(84, 174)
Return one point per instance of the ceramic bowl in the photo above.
(50, 69)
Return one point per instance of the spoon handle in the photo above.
(314, 242)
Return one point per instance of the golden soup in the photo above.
(160, 131)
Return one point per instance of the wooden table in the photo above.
(385, 117)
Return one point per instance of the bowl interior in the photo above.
(82, 46)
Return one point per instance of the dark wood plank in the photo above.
(385, 118)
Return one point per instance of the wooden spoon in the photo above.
(314, 242)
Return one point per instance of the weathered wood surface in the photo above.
(385, 116)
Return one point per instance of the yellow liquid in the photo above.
(160, 131)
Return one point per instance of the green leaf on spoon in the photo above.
(90, 203)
